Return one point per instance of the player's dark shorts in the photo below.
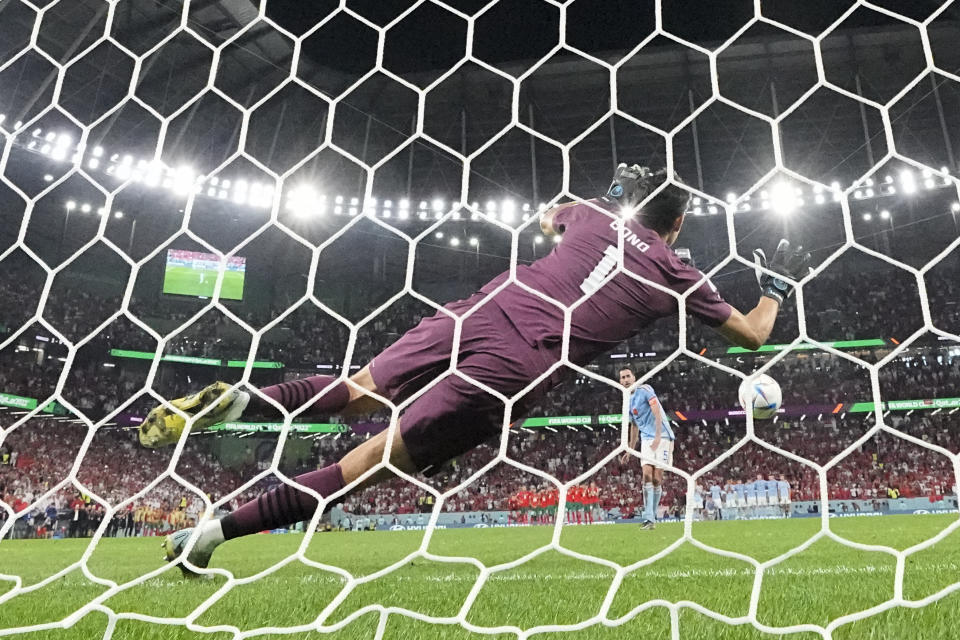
(454, 415)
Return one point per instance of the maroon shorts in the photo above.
(454, 415)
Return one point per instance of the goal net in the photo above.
(261, 191)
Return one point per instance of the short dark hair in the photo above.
(664, 208)
(622, 369)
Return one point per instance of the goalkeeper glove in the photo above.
(792, 263)
(630, 185)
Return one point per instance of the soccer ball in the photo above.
(762, 396)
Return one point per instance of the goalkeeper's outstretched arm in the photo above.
(752, 330)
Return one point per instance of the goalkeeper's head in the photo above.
(664, 212)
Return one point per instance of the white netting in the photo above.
(12, 131)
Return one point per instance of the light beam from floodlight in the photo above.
(783, 199)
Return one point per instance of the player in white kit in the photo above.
(716, 496)
(783, 490)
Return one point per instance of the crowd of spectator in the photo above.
(37, 455)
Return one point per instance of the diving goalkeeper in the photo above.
(506, 344)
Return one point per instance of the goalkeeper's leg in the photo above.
(452, 417)
(286, 505)
(163, 426)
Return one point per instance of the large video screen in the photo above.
(191, 273)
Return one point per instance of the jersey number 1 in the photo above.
(607, 264)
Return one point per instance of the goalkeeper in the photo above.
(506, 344)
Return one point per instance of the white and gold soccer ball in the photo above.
(762, 396)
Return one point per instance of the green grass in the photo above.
(186, 281)
(816, 586)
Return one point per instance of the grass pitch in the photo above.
(186, 281)
(821, 583)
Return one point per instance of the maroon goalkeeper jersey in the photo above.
(612, 311)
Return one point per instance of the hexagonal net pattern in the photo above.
(175, 106)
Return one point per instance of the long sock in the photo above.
(283, 505)
(293, 394)
(657, 494)
(648, 509)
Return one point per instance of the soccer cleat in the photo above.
(174, 544)
(648, 526)
(163, 427)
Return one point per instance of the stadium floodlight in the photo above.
(118, 214)
(557, 238)
(868, 217)
(438, 235)
(538, 239)
(930, 183)
(338, 199)
(71, 205)
(50, 137)
(387, 204)
(48, 178)
(3, 117)
(454, 242)
(731, 197)
(526, 206)
(300, 199)
(712, 209)
(438, 205)
(819, 199)
(508, 209)
(404, 203)
(885, 214)
(908, 181)
(97, 151)
(955, 207)
(85, 207)
(354, 201)
(184, 180)
(783, 198)
(353, 211)
(338, 209)
(944, 170)
(474, 242)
